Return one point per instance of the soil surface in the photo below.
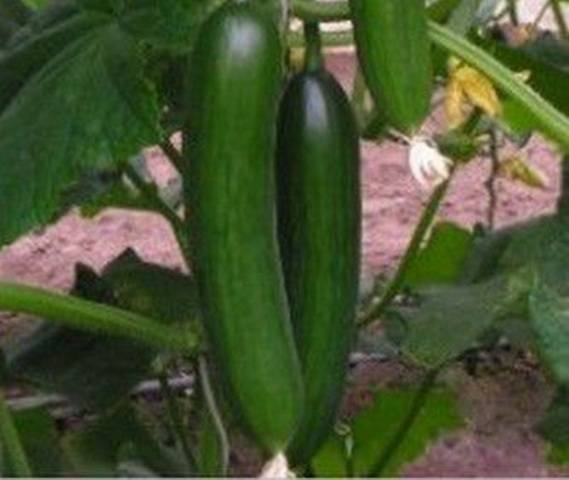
(501, 406)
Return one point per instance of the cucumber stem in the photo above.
(314, 60)
(11, 443)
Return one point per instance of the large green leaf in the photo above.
(99, 448)
(169, 24)
(551, 49)
(86, 107)
(97, 371)
(7, 29)
(549, 316)
(541, 244)
(442, 259)
(15, 10)
(374, 429)
(449, 320)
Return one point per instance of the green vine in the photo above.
(94, 317)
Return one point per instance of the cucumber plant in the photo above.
(160, 371)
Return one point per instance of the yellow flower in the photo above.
(468, 88)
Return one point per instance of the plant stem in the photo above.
(150, 193)
(393, 446)
(10, 442)
(176, 420)
(513, 12)
(491, 181)
(560, 19)
(94, 317)
(214, 412)
(421, 230)
(173, 154)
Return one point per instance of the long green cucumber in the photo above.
(235, 78)
(319, 231)
(395, 56)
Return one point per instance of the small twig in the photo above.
(393, 446)
(176, 419)
(11, 443)
(560, 19)
(429, 212)
(513, 12)
(490, 183)
(540, 15)
(214, 412)
(173, 155)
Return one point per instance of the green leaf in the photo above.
(441, 261)
(450, 320)
(168, 24)
(375, 428)
(39, 438)
(554, 428)
(98, 371)
(7, 29)
(35, 4)
(15, 10)
(88, 107)
(97, 191)
(33, 50)
(550, 49)
(99, 448)
(153, 290)
(549, 317)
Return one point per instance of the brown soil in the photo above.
(501, 407)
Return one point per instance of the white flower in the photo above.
(428, 165)
(277, 468)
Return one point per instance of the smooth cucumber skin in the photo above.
(394, 51)
(319, 214)
(235, 82)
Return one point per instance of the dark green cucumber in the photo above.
(395, 57)
(319, 232)
(234, 86)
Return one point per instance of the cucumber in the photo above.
(394, 52)
(235, 79)
(319, 213)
